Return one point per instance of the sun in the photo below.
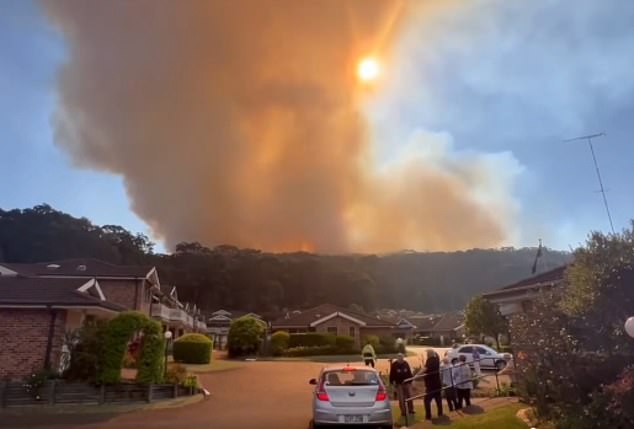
(368, 69)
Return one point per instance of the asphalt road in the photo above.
(262, 395)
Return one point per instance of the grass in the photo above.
(214, 366)
(498, 418)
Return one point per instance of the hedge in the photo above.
(311, 339)
(344, 343)
(192, 348)
(245, 336)
(118, 333)
(279, 342)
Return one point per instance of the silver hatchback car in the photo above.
(350, 395)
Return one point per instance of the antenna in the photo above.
(589, 138)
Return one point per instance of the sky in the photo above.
(482, 95)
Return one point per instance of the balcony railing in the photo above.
(160, 311)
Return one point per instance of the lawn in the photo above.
(498, 418)
(215, 365)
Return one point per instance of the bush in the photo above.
(129, 361)
(373, 340)
(279, 342)
(311, 339)
(309, 351)
(344, 344)
(245, 336)
(387, 345)
(115, 340)
(176, 374)
(86, 356)
(192, 348)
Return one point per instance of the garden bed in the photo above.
(59, 392)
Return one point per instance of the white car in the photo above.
(489, 358)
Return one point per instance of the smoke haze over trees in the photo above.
(248, 279)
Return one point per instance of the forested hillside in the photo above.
(248, 279)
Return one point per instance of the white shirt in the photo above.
(446, 372)
(462, 377)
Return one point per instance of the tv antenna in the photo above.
(589, 138)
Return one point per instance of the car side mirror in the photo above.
(312, 381)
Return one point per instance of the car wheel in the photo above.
(500, 365)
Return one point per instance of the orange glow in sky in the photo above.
(368, 69)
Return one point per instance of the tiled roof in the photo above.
(553, 276)
(424, 323)
(448, 322)
(21, 291)
(311, 315)
(80, 267)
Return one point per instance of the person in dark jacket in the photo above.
(433, 383)
(400, 371)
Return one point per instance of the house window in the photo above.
(332, 330)
(352, 332)
(312, 329)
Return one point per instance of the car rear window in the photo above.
(356, 377)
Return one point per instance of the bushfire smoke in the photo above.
(242, 122)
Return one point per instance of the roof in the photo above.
(448, 322)
(21, 291)
(80, 267)
(322, 312)
(548, 278)
(424, 323)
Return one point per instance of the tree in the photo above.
(483, 317)
(245, 336)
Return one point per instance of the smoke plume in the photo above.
(242, 122)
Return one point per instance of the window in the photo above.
(350, 377)
(332, 330)
(483, 351)
(352, 332)
(312, 329)
(467, 349)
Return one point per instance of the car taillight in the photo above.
(381, 394)
(321, 393)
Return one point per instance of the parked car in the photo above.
(489, 358)
(350, 395)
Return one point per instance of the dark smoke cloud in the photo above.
(240, 122)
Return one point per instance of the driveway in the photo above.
(262, 395)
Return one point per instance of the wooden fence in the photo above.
(13, 394)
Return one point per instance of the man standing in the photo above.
(368, 354)
(475, 354)
(448, 383)
(433, 384)
(399, 372)
(464, 382)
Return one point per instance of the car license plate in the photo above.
(353, 419)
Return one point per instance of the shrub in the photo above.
(192, 348)
(86, 356)
(373, 340)
(279, 342)
(245, 336)
(344, 344)
(309, 351)
(115, 340)
(129, 361)
(387, 345)
(176, 374)
(311, 339)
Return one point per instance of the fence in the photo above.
(403, 401)
(59, 392)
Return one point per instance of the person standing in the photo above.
(448, 383)
(433, 383)
(475, 354)
(400, 371)
(464, 382)
(368, 354)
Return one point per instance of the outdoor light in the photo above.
(168, 337)
(629, 326)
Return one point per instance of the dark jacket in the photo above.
(399, 372)
(432, 374)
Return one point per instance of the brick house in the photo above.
(328, 318)
(57, 297)
(35, 314)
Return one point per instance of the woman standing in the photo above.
(464, 382)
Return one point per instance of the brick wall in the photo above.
(23, 338)
(122, 292)
(343, 327)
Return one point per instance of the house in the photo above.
(35, 314)
(449, 328)
(424, 325)
(518, 297)
(219, 322)
(328, 318)
(40, 302)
